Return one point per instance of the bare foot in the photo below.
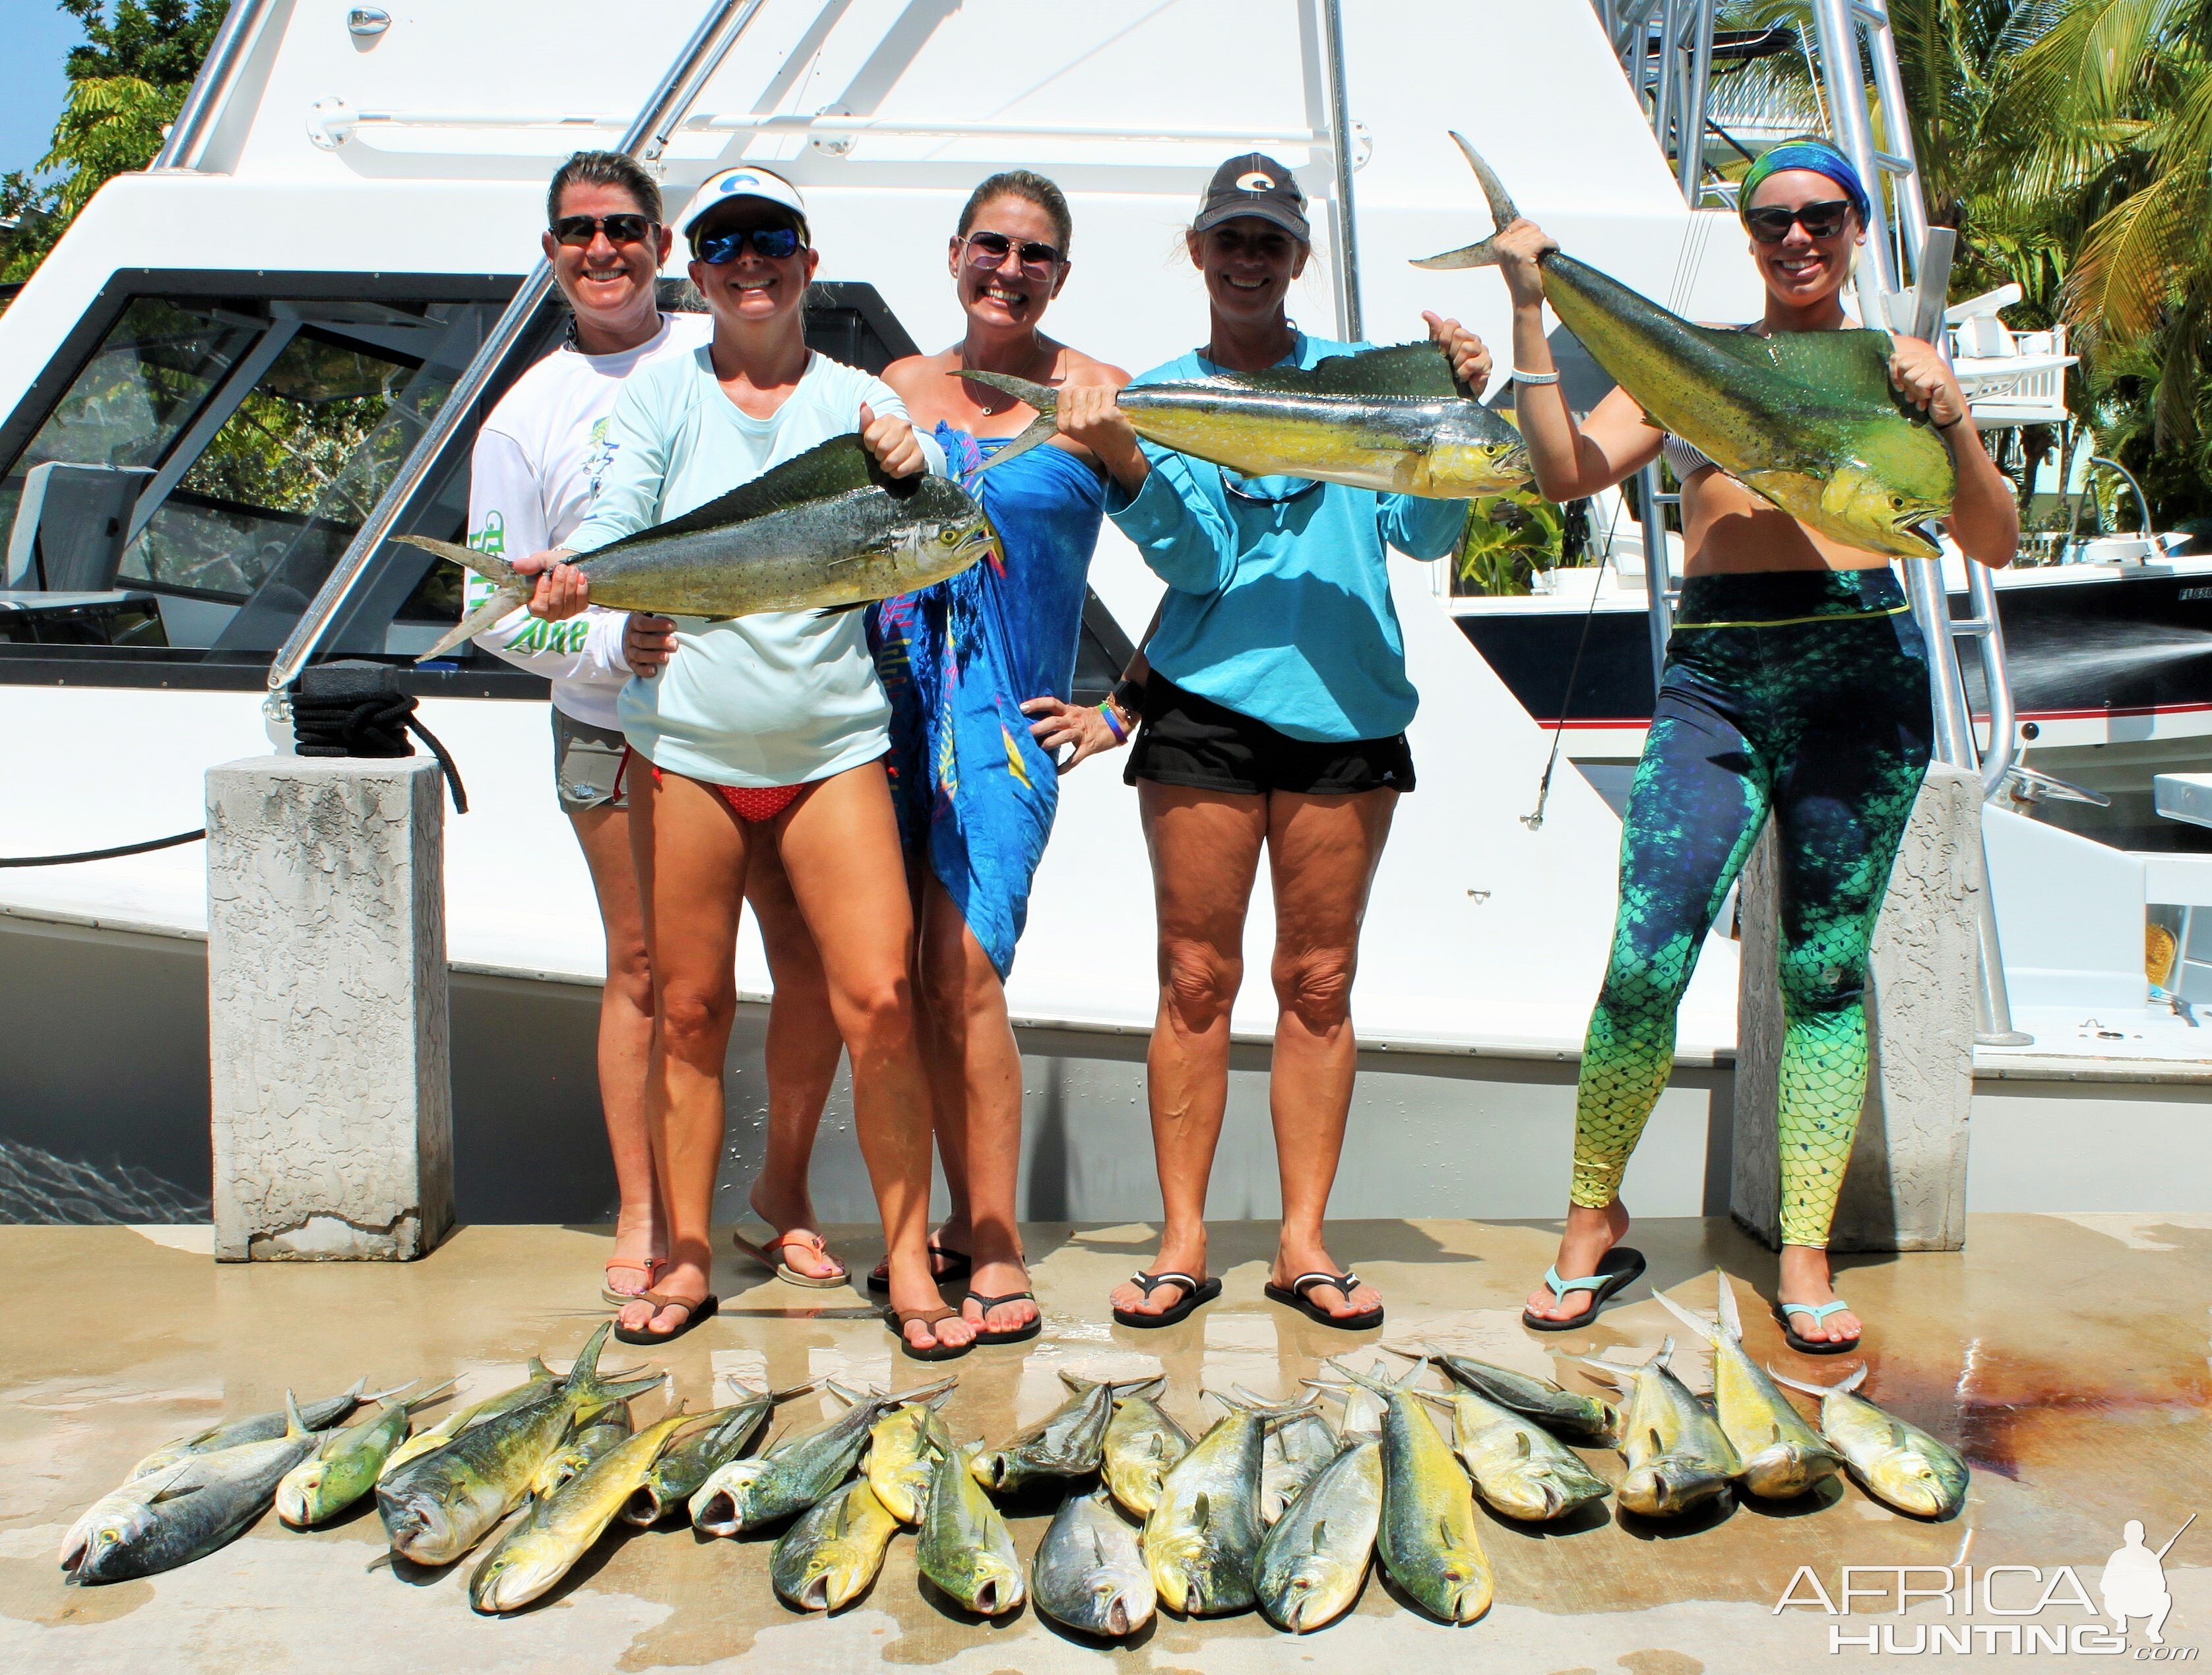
(793, 1214)
(945, 1244)
(1589, 1234)
(1310, 1256)
(1179, 1253)
(996, 1279)
(678, 1280)
(1805, 1279)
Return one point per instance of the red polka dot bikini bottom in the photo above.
(754, 805)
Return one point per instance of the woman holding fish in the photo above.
(763, 732)
(1274, 718)
(1796, 683)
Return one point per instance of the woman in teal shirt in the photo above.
(1273, 717)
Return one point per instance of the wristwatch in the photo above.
(1128, 697)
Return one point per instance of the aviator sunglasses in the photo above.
(578, 230)
(1038, 257)
(1771, 224)
(771, 243)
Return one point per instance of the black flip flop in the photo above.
(1299, 1295)
(958, 1266)
(700, 1308)
(1617, 1270)
(1019, 1334)
(897, 1321)
(1812, 1345)
(1196, 1293)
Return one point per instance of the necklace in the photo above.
(994, 402)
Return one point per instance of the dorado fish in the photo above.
(1202, 1536)
(1897, 1463)
(1393, 419)
(345, 1467)
(715, 1439)
(201, 1502)
(1520, 1468)
(832, 1549)
(1427, 1536)
(437, 1507)
(822, 532)
(797, 1471)
(900, 1461)
(1678, 1457)
(1584, 1418)
(599, 1434)
(556, 1532)
(963, 1545)
(1088, 1573)
(1313, 1560)
(1782, 1456)
(1808, 419)
(438, 1435)
(1299, 1443)
(1142, 1446)
(259, 1427)
(1065, 1443)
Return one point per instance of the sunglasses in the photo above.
(1824, 220)
(578, 230)
(989, 250)
(770, 244)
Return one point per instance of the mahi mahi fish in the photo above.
(822, 532)
(1299, 1443)
(1090, 1574)
(832, 1549)
(1583, 1418)
(438, 1435)
(1394, 420)
(595, 1434)
(964, 1546)
(1520, 1468)
(1678, 1456)
(797, 1470)
(1782, 1456)
(256, 1428)
(1202, 1536)
(560, 1528)
(1428, 1537)
(1313, 1560)
(1895, 1462)
(345, 1467)
(1808, 419)
(1142, 1446)
(714, 1439)
(1065, 1443)
(441, 1504)
(900, 1456)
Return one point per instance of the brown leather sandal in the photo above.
(898, 1319)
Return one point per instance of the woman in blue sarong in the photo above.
(978, 670)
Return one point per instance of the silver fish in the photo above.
(1678, 1456)
(1142, 1446)
(1520, 1468)
(1299, 1443)
(1202, 1537)
(714, 1440)
(963, 1545)
(1782, 1456)
(1065, 1443)
(796, 1471)
(1090, 1574)
(1428, 1537)
(1313, 1560)
(1896, 1462)
(1579, 1417)
(832, 1549)
(258, 1427)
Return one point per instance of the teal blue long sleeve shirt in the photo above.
(1279, 589)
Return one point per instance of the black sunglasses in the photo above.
(771, 243)
(578, 230)
(1824, 220)
(1038, 257)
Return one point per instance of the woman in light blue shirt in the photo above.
(1274, 717)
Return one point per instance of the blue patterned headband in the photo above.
(1807, 152)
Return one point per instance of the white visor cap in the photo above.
(745, 181)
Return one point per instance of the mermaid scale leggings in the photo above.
(1822, 724)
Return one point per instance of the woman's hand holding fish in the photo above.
(648, 641)
(891, 440)
(1470, 356)
(563, 589)
(1089, 414)
(1060, 723)
(1521, 246)
(1926, 381)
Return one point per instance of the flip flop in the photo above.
(1019, 1334)
(1617, 1270)
(696, 1309)
(1196, 1294)
(650, 1270)
(1299, 1295)
(806, 1240)
(898, 1319)
(1819, 1312)
(958, 1267)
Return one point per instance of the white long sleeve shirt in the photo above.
(538, 467)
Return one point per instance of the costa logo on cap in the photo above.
(1256, 182)
(740, 183)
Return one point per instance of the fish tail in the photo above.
(294, 1424)
(1731, 1320)
(1366, 1381)
(796, 1390)
(1484, 253)
(504, 600)
(1689, 1318)
(1042, 428)
(1606, 1371)
(492, 568)
(432, 1395)
(1846, 1384)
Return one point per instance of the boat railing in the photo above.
(210, 94)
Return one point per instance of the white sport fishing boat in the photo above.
(218, 378)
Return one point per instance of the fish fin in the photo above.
(1077, 1383)
(1845, 1385)
(535, 1368)
(1606, 1371)
(381, 1562)
(1320, 1534)
(1366, 1381)
(1411, 1373)
(436, 1393)
(1521, 1437)
(786, 1394)
(1897, 1438)
(826, 611)
(1666, 1351)
(1483, 252)
(1658, 1447)
(1442, 1398)
(846, 1393)
(1688, 1317)
(1856, 1379)
(384, 1395)
(1201, 1510)
(1731, 1320)
(585, 1367)
(622, 1389)
(1043, 397)
(842, 463)
(167, 1490)
(294, 1426)
(1042, 428)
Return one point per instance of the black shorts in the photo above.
(1186, 740)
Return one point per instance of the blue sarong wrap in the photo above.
(975, 792)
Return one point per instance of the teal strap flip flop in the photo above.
(1819, 1312)
(1617, 1270)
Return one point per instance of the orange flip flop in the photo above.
(766, 1257)
(651, 1270)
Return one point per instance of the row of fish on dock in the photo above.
(1272, 1507)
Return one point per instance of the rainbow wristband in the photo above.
(1114, 721)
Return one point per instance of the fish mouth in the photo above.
(644, 1507)
(1116, 1618)
(719, 1516)
(987, 1598)
(815, 1596)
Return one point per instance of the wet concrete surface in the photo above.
(2066, 1356)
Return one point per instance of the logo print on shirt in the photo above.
(600, 456)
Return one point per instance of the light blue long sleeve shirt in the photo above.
(1279, 607)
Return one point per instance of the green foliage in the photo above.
(127, 81)
(1507, 538)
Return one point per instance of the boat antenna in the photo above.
(1535, 820)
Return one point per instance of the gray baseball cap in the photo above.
(1254, 185)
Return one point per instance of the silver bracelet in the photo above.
(1520, 377)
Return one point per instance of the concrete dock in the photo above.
(2066, 1356)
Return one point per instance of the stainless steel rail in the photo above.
(671, 102)
(211, 89)
(1340, 145)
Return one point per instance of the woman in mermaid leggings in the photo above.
(1796, 688)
